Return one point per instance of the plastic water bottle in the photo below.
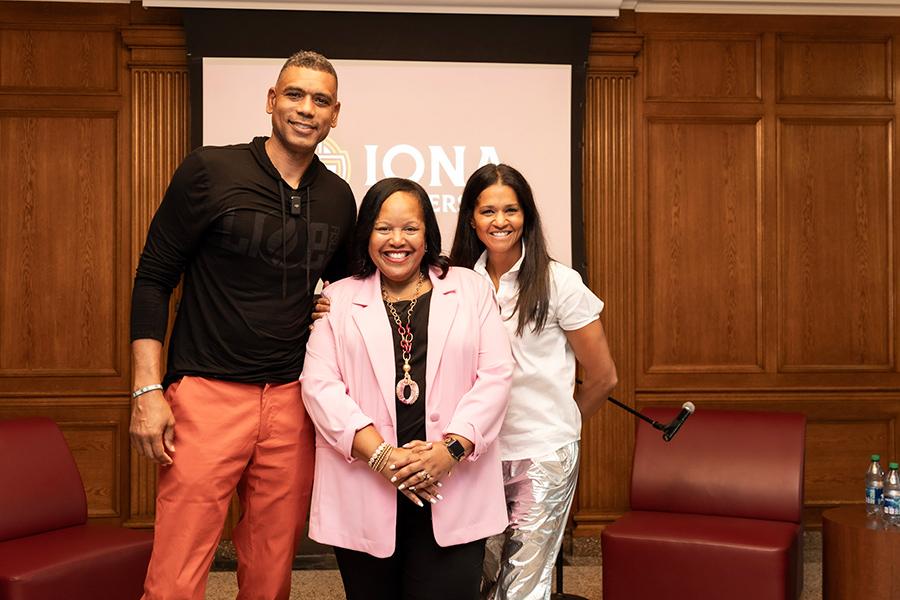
(874, 486)
(892, 495)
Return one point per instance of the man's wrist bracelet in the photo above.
(145, 389)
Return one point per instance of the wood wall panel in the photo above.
(835, 245)
(835, 451)
(44, 60)
(703, 277)
(66, 237)
(97, 452)
(688, 67)
(58, 312)
(763, 263)
(826, 69)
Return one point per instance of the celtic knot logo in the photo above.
(334, 158)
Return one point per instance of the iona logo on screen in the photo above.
(334, 158)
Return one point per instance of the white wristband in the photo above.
(145, 389)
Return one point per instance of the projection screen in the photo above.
(433, 122)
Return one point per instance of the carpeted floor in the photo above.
(582, 578)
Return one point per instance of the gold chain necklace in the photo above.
(406, 340)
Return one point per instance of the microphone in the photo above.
(295, 206)
(687, 409)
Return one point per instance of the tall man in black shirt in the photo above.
(251, 228)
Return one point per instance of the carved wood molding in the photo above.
(607, 8)
(597, 8)
(610, 106)
(154, 47)
(614, 52)
(160, 138)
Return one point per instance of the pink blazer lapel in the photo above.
(375, 331)
(444, 302)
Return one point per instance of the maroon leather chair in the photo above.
(715, 513)
(47, 549)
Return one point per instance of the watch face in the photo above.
(455, 448)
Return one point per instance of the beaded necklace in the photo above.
(406, 340)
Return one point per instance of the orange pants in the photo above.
(256, 439)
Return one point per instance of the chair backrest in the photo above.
(722, 462)
(40, 487)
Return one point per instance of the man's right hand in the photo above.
(322, 307)
(153, 427)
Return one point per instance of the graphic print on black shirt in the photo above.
(259, 235)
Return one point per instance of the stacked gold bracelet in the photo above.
(380, 457)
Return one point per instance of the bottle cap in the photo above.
(893, 466)
(876, 457)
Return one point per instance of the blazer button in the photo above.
(435, 417)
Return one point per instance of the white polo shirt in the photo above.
(542, 415)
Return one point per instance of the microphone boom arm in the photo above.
(656, 424)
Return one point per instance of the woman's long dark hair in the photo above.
(534, 274)
(362, 265)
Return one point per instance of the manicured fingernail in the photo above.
(419, 502)
(406, 445)
(439, 484)
(401, 486)
(432, 500)
(439, 497)
(393, 479)
(392, 468)
(412, 488)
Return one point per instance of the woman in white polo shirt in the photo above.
(553, 319)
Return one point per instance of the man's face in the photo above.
(304, 108)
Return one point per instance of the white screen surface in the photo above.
(433, 122)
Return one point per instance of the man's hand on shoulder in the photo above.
(322, 307)
(153, 427)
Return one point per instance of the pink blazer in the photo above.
(348, 382)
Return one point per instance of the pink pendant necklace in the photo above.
(406, 340)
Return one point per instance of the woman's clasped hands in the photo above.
(417, 468)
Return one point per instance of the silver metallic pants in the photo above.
(518, 563)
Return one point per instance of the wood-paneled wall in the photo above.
(93, 120)
(740, 172)
(739, 220)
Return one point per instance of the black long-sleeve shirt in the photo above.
(251, 250)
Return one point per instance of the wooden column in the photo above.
(609, 205)
(160, 138)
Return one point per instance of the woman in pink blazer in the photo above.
(406, 380)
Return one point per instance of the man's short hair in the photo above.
(307, 59)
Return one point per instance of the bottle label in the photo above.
(873, 495)
(892, 505)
